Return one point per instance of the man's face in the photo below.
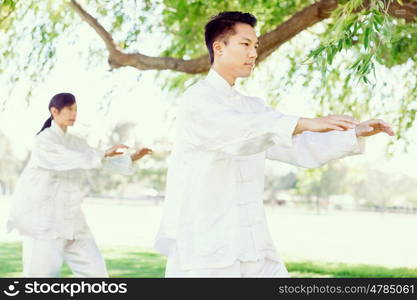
(238, 53)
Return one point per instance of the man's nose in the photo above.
(253, 53)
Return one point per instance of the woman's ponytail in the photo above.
(47, 124)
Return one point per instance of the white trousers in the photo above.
(261, 268)
(44, 258)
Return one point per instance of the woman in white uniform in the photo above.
(47, 201)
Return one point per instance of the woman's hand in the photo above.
(113, 150)
(140, 153)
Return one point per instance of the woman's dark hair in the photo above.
(59, 101)
(222, 25)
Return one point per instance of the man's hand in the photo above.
(324, 124)
(140, 153)
(113, 150)
(372, 127)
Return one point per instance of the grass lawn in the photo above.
(130, 262)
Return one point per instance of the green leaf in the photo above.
(378, 19)
(348, 42)
(329, 55)
(340, 45)
(366, 37)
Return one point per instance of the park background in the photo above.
(355, 217)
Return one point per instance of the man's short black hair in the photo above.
(222, 25)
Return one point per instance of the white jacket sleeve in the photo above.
(49, 154)
(213, 126)
(313, 149)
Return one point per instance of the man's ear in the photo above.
(218, 48)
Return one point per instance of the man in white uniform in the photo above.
(214, 222)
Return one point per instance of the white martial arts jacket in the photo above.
(213, 211)
(47, 199)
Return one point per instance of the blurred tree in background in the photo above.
(149, 172)
(339, 50)
(10, 166)
(350, 43)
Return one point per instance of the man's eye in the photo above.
(246, 44)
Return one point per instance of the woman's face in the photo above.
(66, 116)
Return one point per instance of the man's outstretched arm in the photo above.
(313, 149)
(325, 124)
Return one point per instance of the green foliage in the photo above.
(352, 47)
(372, 34)
(350, 51)
(33, 27)
(184, 20)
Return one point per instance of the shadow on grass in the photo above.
(325, 269)
(133, 262)
(10, 259)
(121, 262)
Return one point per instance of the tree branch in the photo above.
(408, 11)
(300, 21)
(269, 41)
(118, 59)
(105, 35)
(11, 10)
